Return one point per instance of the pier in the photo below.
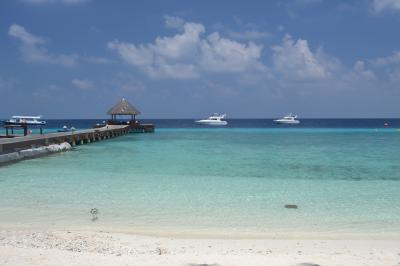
(112, 128)
(79, 137)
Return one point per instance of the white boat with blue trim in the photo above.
(288, 119)
(17, 120)
(214, 120)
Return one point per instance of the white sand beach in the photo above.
(102, 248)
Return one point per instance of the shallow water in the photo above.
(215, 182)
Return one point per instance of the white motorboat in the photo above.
(66, 129)
(288, 119)
(214, 120)
(25, 120)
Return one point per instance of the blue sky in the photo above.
(186, 59)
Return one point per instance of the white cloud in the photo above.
(298, 67)
(33, 51)
(26, 37)
(188, 53)
(295, 60)
(360, 73)
(180, 46)
(192, 53)
(385, 5)
(82, 84)
(243, 30)
(388, 60)
(174, 22)
(54, 88)
(167, 57)
(224, 55)
(250, 34)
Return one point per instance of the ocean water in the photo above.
(234, 181)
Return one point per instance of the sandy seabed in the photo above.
(102, 248)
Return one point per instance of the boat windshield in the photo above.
(216, 116)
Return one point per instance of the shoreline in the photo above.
(32, 247)
(196, 233)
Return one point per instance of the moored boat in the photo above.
(288, 119)
(18, 120)
(214, 120)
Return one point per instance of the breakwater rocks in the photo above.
(34, 152)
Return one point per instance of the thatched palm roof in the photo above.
(123, 108)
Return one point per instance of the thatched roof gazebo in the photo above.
(123, 108)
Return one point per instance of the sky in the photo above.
(187, 59)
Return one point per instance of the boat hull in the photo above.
(23, 124)
(212, 123)
(282, 122)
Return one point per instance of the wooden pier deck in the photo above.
(9, 145)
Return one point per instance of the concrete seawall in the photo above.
(13, 149)
(35, 152)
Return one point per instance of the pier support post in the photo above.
(81, 141)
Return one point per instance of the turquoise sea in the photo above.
(215, 182)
